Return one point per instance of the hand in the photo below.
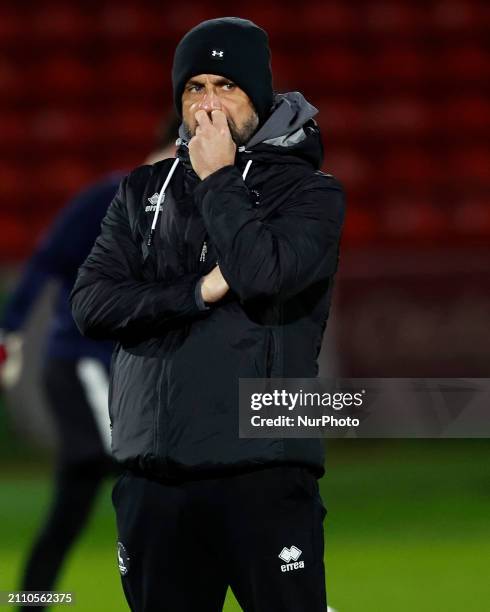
(11, 360)
(212, 147)
(214, 286)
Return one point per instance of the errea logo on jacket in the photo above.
(153, 203)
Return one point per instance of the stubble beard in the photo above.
(240, 136)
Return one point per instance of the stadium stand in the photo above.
(402, 89)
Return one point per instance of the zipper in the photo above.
(204, 254)
(204, 250)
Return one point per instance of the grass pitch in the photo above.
(408, 529)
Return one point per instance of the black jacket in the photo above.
(176, 367)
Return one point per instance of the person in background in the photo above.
(75, 371)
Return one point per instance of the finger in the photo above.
(219, 120)
(202, 118)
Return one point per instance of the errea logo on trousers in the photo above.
(291, 554)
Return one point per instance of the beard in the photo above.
(240, 135)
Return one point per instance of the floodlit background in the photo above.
(403, 93)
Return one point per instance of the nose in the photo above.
(209, 102)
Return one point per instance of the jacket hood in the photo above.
(289, 132)
(284, 126)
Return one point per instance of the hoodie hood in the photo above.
(289, 132)
(284, 126)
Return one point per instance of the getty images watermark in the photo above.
(365, 408)
(310, 401)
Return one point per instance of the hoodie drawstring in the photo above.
(161, 197)
(247, 168)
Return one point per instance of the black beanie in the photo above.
(231, 47)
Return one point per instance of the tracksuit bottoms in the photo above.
(82, 464)
(261, 532)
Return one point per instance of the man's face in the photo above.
(212, 92)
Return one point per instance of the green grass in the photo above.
(408, 529)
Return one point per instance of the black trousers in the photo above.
(181, 545)
(81, 466)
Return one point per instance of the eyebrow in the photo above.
(218, 81)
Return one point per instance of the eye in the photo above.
(194, 88)
(229, 86)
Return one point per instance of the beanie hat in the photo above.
(231, 47)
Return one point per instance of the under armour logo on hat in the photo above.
(217, 53)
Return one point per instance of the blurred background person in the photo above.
(75, 370)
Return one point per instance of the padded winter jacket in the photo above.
(272, 221)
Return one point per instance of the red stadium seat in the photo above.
(327, 18)
(134, 75)
(11, 177)
(395, 64)
(456, 15)
(12, 80)
(16, 240)
(121, 20)
(61, 20)
(63, 177)
(414, 218)
(286, 71)
(340, 117)
(63, 128)
(471, 165)
(361, 226)
(395, 117)
(14, 131)
(332, 65)
(176, 19)
(466, 63)
(62, 76)
(350, 168)
(133, 127)
(410, 167)
(466, 113)
(277, 19)
(13, 31)
(393, 17)
(12, 25)
(472, 217)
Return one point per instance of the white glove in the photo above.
(11, 359)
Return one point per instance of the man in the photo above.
(74, 374)
(226, 274)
